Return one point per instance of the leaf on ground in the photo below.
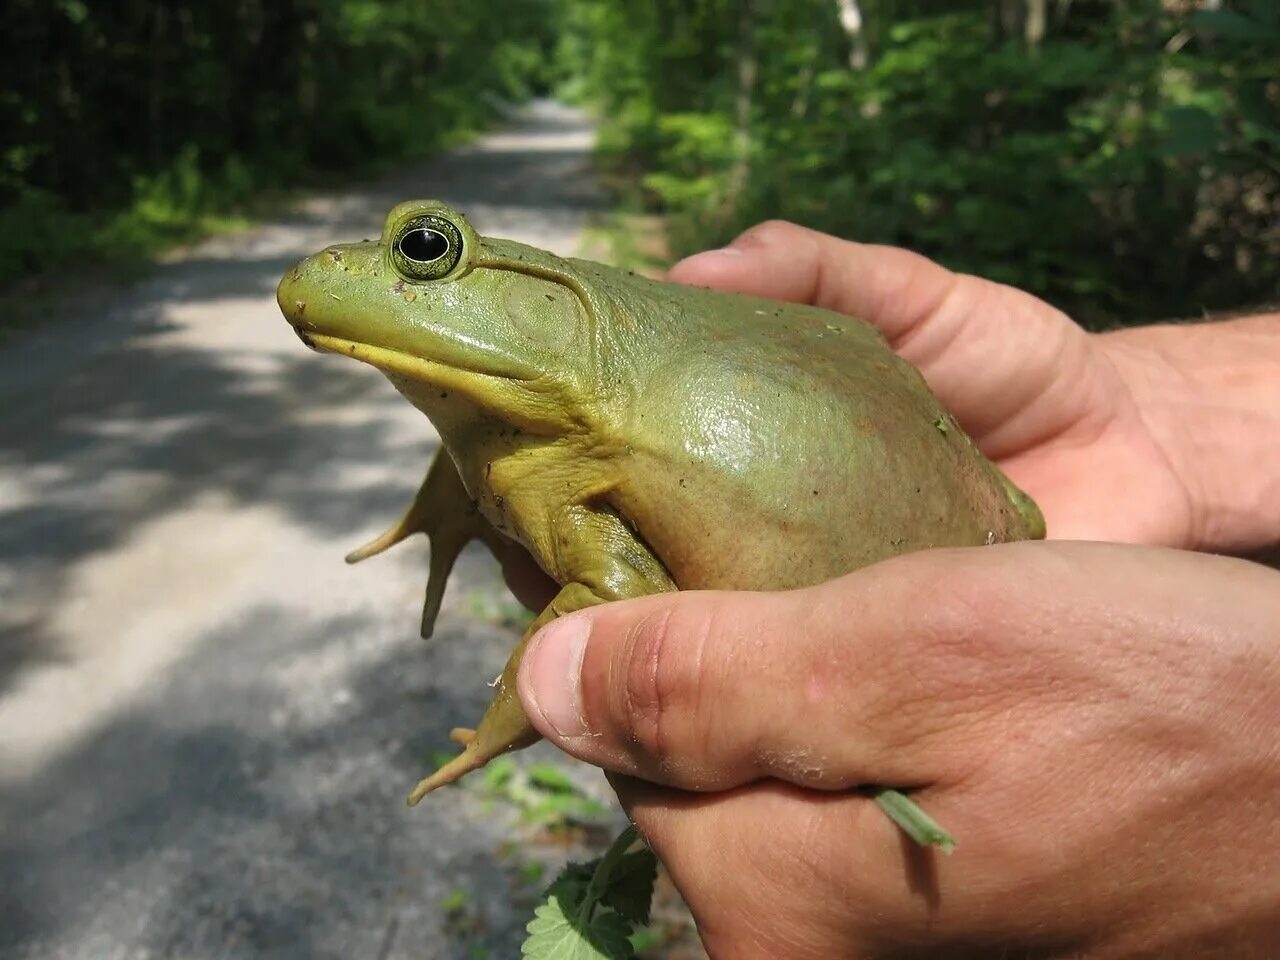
(630, 889)
(572, 881)
(551, 778)
(557, 933)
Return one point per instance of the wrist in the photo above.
(1209, 394)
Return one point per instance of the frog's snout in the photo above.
(328, 292)
(292, 300)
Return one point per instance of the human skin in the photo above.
(1093, 722)
(1161, 435)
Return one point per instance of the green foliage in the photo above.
(590, 911)
(128, 121)
(1124, 166)
(498, 608)
(543, 794)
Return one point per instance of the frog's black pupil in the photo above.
(424, 245)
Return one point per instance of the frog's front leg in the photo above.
(445, 512)
(603, 560)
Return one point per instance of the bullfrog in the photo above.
(635, 436)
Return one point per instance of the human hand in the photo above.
(1094, 723)
(1095, 428)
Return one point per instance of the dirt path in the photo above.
(207, 721)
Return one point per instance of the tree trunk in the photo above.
(1036, 21)
(850, 14)
(748, 67)
(1027, 21)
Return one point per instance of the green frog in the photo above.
(637, 436)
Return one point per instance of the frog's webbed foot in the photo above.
(615, 565)
(504, 726)
(443, 511)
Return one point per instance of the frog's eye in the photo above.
(424, 245)
(426, 248)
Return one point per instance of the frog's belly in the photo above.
(715, 545)
(770, 475)
(771, 528)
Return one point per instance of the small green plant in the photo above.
(597, 910)
(462, 918)
(497, 609)
(591, 911)
(544, 795)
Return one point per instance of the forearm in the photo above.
(1210, 395)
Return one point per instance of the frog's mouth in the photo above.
(403, 364)
(508, 394)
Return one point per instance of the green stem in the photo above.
(917, 824)
(604, 871)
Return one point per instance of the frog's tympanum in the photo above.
(637, 436)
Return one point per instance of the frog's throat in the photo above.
(486, 390)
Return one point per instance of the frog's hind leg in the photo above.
(504, 726)
(612, 564)
(443, 511)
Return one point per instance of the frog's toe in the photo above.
(443, 555)
(373, 547)
(454, 770)
(462, 736)
(502, 729)
(473, 757)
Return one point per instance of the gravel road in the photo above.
(207, 722)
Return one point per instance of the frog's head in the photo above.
(440, 309)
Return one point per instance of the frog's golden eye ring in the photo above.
(426, 247)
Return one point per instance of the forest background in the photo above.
(1120, 159)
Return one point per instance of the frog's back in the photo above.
(775, 446)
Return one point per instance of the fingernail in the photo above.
(717, 252)
(707, 255)
(555, 673)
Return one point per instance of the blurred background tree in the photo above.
(124, 121)
(1121, 159)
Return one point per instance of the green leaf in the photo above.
(917, 824)
(630, 890)
(558, 931)
(1191, 130)
(574, 874)
(1228, 25)
(1261, 119)
(499, 773)
(551, 778)
(1265, 11)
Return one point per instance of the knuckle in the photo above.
(662, 682)
(959, 650)
(767, 233)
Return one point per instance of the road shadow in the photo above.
(127, 410)
(226, 815)
(247, 799)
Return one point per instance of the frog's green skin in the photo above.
(637, 436)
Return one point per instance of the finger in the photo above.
(1010, 367)
(734, 882)
(830, 687)
(887, 286)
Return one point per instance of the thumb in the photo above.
(710, 690)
